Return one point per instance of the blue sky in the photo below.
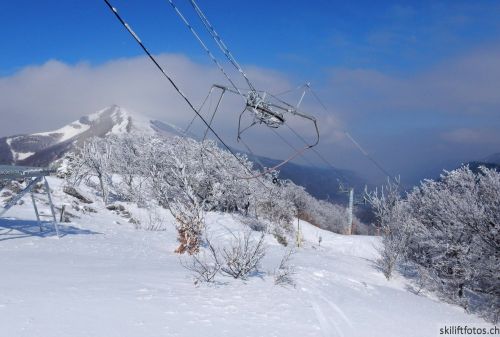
(403, 76)
(299, 37)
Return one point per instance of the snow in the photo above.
(96, 115)
(125, 120)
(9, 141)
(18, 155)
(140, 123)
(24, 155)
(119, 117)
(105, 278)
(68, 131)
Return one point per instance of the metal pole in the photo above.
(299, 236)
(19, 196)
(303, 94)
(47, 188)
(36, 211)
(350, 210)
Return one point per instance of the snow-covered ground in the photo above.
(104, 278)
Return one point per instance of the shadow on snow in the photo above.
(17, 229)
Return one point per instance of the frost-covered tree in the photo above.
(276, 206)
(91, 160)
(72, 168)
(187, 208)
(457, 238)
(128, 163)
(448, 230)
(320, 213)
(393, 217)
(190, 177)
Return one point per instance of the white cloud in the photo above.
(462, 86)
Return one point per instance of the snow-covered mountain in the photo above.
(40, 149)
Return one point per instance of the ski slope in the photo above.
(104, 278)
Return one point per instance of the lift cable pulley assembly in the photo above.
(264, 107)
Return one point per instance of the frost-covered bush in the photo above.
(151, 219)
(213, 174)
(237, 258)
(283, 275)
(394, 219)
(448, 230)
(360, 228)
(243, 255)
(276, 206)
(204, 265)
(457, 237)
(188, 212)
(320, 213)
(254, 223)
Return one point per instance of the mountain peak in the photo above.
(118, 116)
(41, 148)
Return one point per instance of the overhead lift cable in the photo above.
(211, 30)
(203, 45)
(184, 97)
(360, 148)
(347, 134)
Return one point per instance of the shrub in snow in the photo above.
(204, 265)
(155, 221)
(253, 223)
(395, 222)
(243, 255)
(238, 258)
(71, 168)
(276, 206)
(188, 212)
(190, 224)
(283, 275)
(360, 228)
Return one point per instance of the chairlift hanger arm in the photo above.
(224, 88)
(293, 111)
